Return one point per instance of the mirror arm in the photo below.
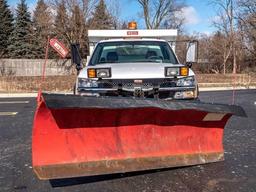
(189, 64)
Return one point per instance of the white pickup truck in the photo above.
(135, 63)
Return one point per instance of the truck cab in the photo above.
(135, 63)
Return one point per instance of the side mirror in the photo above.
(192, 53)
(75, 56)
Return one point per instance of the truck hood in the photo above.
(134, 70)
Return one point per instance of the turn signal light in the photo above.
(184, 71)
(91, 73)
(99, 72)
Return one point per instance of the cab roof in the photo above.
(123, 35)
(132, 39)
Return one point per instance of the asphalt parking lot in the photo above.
(236, 173)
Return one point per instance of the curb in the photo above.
(17, 95)
(225, 88)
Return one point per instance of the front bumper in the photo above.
(160, 88)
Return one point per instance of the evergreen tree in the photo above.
(6, 27)
(42, 22)
(101, 18)
(22, 38)
(70, 25)
(79, 30)
(61, 25)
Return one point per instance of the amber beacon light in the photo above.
(132, 25)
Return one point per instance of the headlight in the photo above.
(99, 73)
(171, 71)
(103, 73)
(87, 83)
(176, 71)
(186, 82)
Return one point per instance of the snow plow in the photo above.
(81, 136)
(135, 107)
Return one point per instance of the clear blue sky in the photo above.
(198, 13)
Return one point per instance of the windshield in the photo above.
(133, 51)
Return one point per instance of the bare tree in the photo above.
(115, 7)
(220, 47)
(204, 55)
(225, 24)
(247, 23)
(157, 11)
(175, 20)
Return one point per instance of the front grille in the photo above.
(105, 85)
(133, 85)
(168, 84)
(129, 84)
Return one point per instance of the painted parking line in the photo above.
(13, 102)
(8, 113)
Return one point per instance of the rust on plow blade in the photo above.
(81, 136)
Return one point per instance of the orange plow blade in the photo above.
(81, 136)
